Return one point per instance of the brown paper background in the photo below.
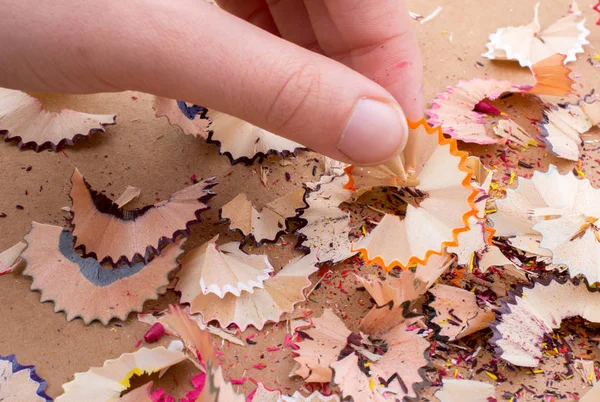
(144, 151)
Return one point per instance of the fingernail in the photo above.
(376, 131)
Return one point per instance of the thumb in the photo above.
(244, 71)
(194, 51)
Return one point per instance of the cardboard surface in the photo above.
(147, 152)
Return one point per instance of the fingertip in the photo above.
(376, 131)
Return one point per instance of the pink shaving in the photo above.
(154, 333)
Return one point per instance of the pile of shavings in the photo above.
(417, 328)
(435, 274)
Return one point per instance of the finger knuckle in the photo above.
(297, 92)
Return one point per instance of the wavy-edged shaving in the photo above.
(264, 395)
(327, 339)
(245, 142)
(535, 310)
(454, 390)
(397, 373)
(23, 119)
(454, 110)
(20, 383)
(333, 351)
(109, 234)
(10, 258)
(221, 270)
(435, 174)
(325, 227)
(279, 295)
(395, 294)
(566, 219)
(529, 44)
(457, 313)
(189, 123)
(197, 341)
(561, 126)
(265, 225)
(81, 287)
(106, 383)
(475, 247)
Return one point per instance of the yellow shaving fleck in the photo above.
(530, 142)
(471, 262)
(491, 375)
(367, 364)
(125, 381)
(512, 177)
(455, 373)
(364, 231)
(538, 371)
(371, 383)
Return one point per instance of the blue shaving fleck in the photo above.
(90, 268)
(190, 111)
(16, 367)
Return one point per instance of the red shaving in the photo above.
(198, 381)
(154, 333)
(484, 107)
(250, 397)
(290, 343)
(157, 396)
(238, 381)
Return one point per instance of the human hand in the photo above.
(334, 75)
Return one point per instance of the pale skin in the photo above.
(338, 76)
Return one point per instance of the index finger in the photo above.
(376, 39)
